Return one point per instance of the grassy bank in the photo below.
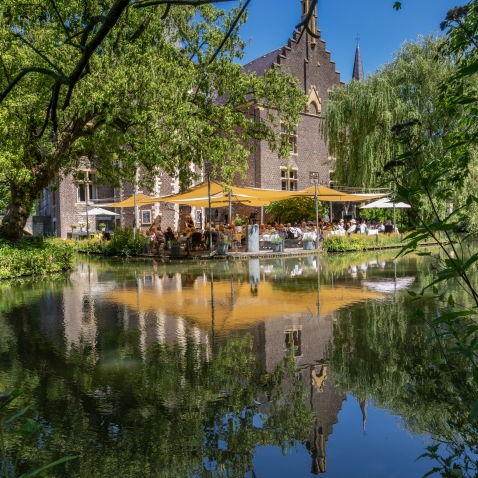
(359, 242)
(34, 256)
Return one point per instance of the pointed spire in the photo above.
(358, 68)
(364, 408)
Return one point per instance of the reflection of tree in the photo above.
(180, 411)
(381, 352)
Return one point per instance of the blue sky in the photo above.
(382, 29)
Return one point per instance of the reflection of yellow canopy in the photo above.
(245, 310)
(198, 196)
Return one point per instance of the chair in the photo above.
(168, 236)
(389, 228)
(214, 239)
(196, 241)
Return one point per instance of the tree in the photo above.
(292, 210)
(146, 97)
(360, 115)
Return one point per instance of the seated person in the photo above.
(340, 225)
(363, 227)
(168, 236)
(353, 226)
(189, 222)
(381, 226)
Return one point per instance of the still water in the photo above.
(260, 368)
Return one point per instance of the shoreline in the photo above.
(235, 256)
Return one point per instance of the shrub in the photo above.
(122, 243)
(34, 256)
(359, 242)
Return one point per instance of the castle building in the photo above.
(304, 56)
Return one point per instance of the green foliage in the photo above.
(12, 440)
(360, 116)
(360, 242)
(34, 256)
(122, 243)
(293, 210)
(151, 85)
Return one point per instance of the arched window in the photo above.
(313, 108)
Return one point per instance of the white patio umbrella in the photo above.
(385, 203)
(98, 211)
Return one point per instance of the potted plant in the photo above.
(277, 244)
(82, 226)
(238, 222)
(102, 226)
(308, 243)
(175, 248)
(73, 227)
(223, 246)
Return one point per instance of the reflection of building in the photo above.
(306, 337)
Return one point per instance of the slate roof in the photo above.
(265, 62)
(358, 68)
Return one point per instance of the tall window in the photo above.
(292, 132)
(87, 178)
(288, 179)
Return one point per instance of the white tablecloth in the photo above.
(372, 232)
(326, 234)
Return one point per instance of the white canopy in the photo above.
(385, 203)
(98, 211)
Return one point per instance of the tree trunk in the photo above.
(18, 211)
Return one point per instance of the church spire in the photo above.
(358, 68)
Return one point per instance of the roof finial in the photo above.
(358, 38)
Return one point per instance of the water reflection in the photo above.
(185, 370)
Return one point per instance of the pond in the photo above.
(259, 368)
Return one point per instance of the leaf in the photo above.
(30, 427)
(397, 6)
(468, 70)
(431, 472)
(451, 302)
(18, 414)
(412, 293)
(55, 463)
(12, 395)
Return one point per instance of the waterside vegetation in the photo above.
(34, 256)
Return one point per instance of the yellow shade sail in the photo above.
(141, 199)
(235, 307)
(198, 196)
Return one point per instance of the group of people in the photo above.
(160, 238)
(297, 230)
